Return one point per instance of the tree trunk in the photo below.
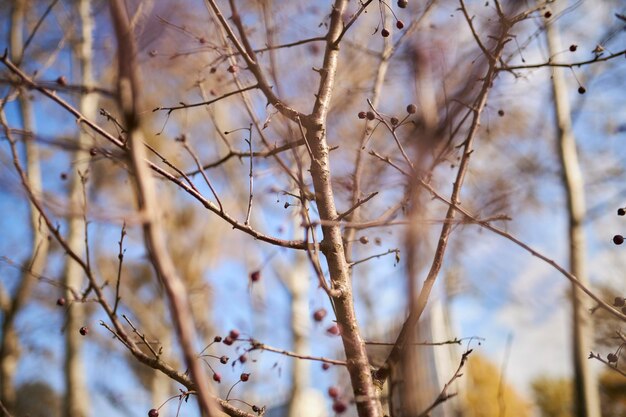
(585, 385)
(76, 402)
(9, 347)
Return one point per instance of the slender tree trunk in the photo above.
(76, 401)
(585, 385)
(9, 345)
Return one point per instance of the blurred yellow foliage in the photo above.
(484, 397)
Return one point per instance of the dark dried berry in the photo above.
(402, 3)
(394, 121)
(400, 24)
(362, 115)
(319, 314)
(611, 357)
(234, 334)
(62, 80)
(619, 302)
(385, 33)
(217, 377)
(153, 413)
(228, 340)
(339, 406)
(582, 90)
(370, 115)
(243, 358)
(333, 392)
(83, 331)
(224, 360)
(255, 276)
(93, 151)
(500, 112)
(63, 176)
(547, 15)
(212, 70)
(411, 109)
(61, 301)
(255, 409)
(244, 377)
(232, 69)
(573, 48)
(621, 211)
(325, 366)
(364, 240)
(618, 239)
(217, 339)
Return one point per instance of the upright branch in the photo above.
(332, 246)
(128, 97)
(492, 56)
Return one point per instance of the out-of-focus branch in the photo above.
(128, 97)
(467, 148)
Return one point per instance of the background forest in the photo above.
(312, 208)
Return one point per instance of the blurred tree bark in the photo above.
(76, 400)
(10, 345)
(585, 386)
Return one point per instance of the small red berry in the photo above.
(339, 406)
(232, 69)
(319, 314)
(385, 33)
(582, 90)
(333, 392)
(362, 115)
(217, 377)
(83, 331)
(61, 301)
(370, 115)
(224, 360)
(62, 80)
(153, 413)
(325, 366)
(573, 48)
(364, 240)
(618, 239)
(411, 109)
(400, 24)
(402, 3)
(228, 340)
(234, 334)
(255, 276)
(244, 377)
(333, 330)
(243, 358)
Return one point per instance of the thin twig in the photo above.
(120, 257)
(256, 345)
